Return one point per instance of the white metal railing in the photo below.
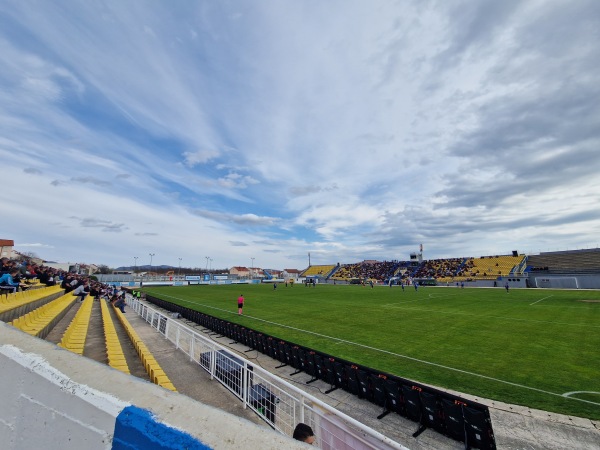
(278, 402)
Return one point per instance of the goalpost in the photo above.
(557, 283)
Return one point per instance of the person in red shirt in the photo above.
(240, 304)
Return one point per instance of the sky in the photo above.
(236, 133)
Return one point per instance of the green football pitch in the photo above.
(534, 347)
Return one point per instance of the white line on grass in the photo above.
(541, 300)
(567, 394)
(388, 352)
(441, 295)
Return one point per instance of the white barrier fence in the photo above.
(279, 403)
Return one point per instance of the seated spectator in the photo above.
(82, 290)
(119, 302)
(8, 282)
(27, 270)
(72, 282)
(5, 265)
(48, 277)
(96, 290)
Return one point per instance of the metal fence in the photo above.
(279, 403)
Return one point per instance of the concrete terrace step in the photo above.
(188, 377)
(95, 345)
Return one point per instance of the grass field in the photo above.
(534, 347)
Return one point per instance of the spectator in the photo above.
(8, 283)
(82, 290)
(118, 302)
(5, 265)
(304, 433)
(69, 283)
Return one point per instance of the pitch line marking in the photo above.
(441, 295)
(344, 341)
(568, 395)
(541, 300)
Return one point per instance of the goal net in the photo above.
(557, 283)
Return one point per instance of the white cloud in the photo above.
(236, 180)
(367, 131)
(200, 156)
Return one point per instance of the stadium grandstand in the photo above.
(319, 271)
(85, 316)
(520, 270)
(367, 270)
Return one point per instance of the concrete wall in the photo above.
(53, 399)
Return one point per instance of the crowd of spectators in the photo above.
(372, 270)
(445, 269)
(24, 273)
(16, 275)
(382, 271)
(82, 286)
(21, 275)
(440, 268)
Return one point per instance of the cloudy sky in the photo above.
(348, 129)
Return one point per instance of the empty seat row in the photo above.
(155, 372)
(41, 320)
(114, 350)
(20, 303)
(322, 270)
(75, 335)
